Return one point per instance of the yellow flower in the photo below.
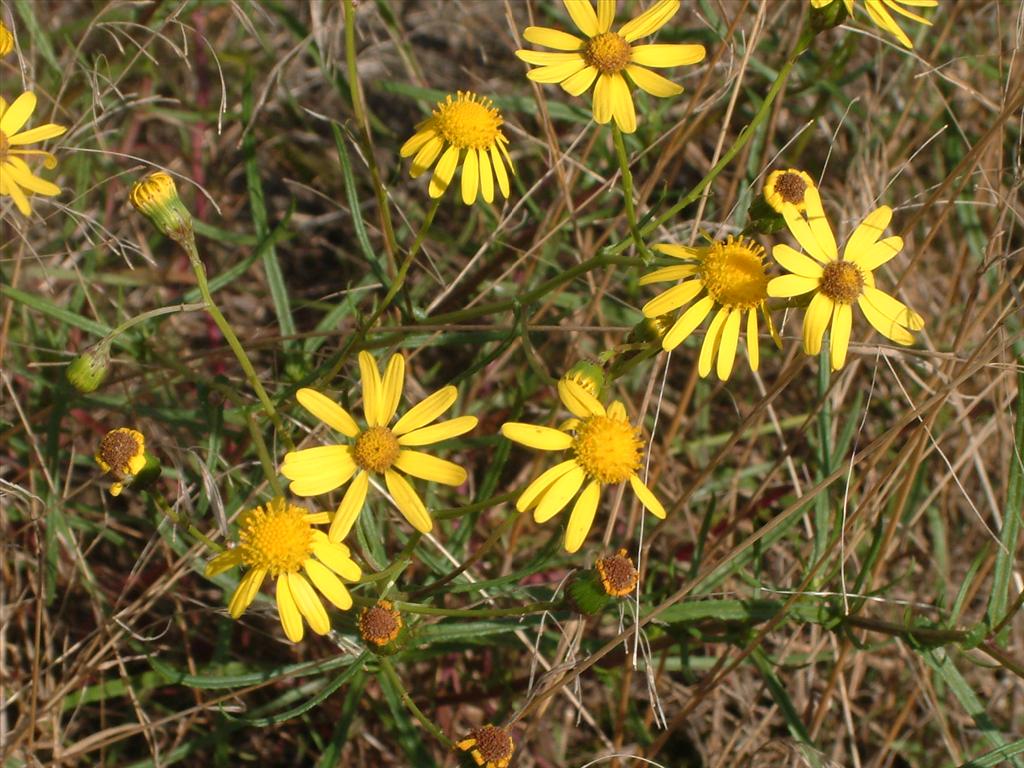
(489, 746)
(280, 541)
(378, 448)
(6, 40)
(472, 125)
(122, 453)
(14, 172)
(839, 282)
(787, 186)
(606, 451)
(728, 275)
(609, 57)
(879, 11)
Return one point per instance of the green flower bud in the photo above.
(825, 14)
(156, 196)
(588, 375)
(89, 370)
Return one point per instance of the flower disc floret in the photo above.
(380, 624)
(608, 53)
(467, 123)
(277, 539)
(609, 450)
(376, 449)
(842, 281)
(489, 746)
(733, 273)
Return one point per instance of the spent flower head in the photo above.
(16, 178)
(489, 746)
(788, 186)
(380, 626)
(606, 450)
(840, 282)
(279, 540)
(378, 449)
(122, 454)
(727, 275)
(609, 58)
(466, 130)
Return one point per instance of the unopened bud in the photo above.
(826, 14)
(156, 196)
(588, 375)
(89, 370)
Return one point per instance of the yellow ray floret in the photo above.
(880, 12)
(16, 178)
(839, 283)
(609, 60)
(606, 450)
(378, 448)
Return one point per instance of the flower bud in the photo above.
(156, 196)
(6, 40)
(588, 375)
(826, 14)
(89, 370)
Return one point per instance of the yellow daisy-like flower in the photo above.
(279, 541)
(728, 276)
(379, 448)
(606, 450)
(837, 282)
(489, 746)
(609, 58)
(122, 453)
(787, 186)
(6, 40)
(467, 129)
(879, 11)
(15, 175)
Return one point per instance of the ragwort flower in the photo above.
(379, 449)
(728, 276)
(122, 453)
(609, 58)
(606, 449)
(15, 176)
(279, 541)
(489, 746)
(837, 282)
(879, 11)
(467, 129)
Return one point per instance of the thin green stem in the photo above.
(133, 321)
(627, 189)
(482, 613)
(389, 670)
(168, 510)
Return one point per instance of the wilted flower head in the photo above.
(122, 453)
(489, 746)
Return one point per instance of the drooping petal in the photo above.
(336, 557)
(753, 347)
(687, 322)
(470, 177)
(582, 517)
(499, 171)
(578, 400)
(559, 494)
(819, 225)
(883, 19)
(622, 104)
(893, 308)
(8, 187)
(647, 497)
(18, 113)
(426, 156)
(426, 410)
(536, 489)
(728, 343)
(435, 433)
(427, 467)
(486, 178)
(816, 320)
(246, 591)
(415, 142)
(443, 172)
(673, 298)
(328, 411)
(309, 604)
(652, 82)
(18, 171)
(582, 14)
(650, 21)
(839, 336)
(603, 105)
(391, 389)
(580, 82)
(350, 507)
(328, 584)
(536, 436)
(225, 561)
(712, 341)
(408, 502)
(665, 274)
(552, 38)
(291, 619)
(791, 285)
(556, 73)
(790, 259)
(885, 325)
(668, 55)
(370, 377)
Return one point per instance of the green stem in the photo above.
(473, 613)
(168, 510)
(132, 321)
(627, 189)
(389, 670)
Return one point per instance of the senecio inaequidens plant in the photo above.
(724, 287)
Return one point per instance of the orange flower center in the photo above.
(842, 281)
(791, 188)
(618, 574)
(380, 624)
(608, 53)
(376, 449)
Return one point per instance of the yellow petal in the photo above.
(309, 604)
(883, 19)
(582, 517)
(580, 82)
(336, 557)
(391, 389)
(350, 507)
(617, 411)
(535, 436)
(408, 502)
(370, 377)
(727, 346)
(328, 584)
(605, 15)
(443, 430)
(330, 468)
(443, 172)
(19, 172)
(486, 179)
(876, 255)
(603, 99)
(671, 55)
(225, 561)
(791, 285)
(328, 411)
(538, 487)
(622, 105)
(677, 251)
(499, 171)
(816, 320)
(712, 341)
(415, 142)
(652, 82)
(819, 225)
(559, 494)
(9, 187)
(552, 38)
(839, 336)
(885, 325)
(18, 113)
(291, 619)
(687, 322)
(868, 232)
(647, 497)
(246, 591)
(802, 231)
(470, 177)
(582, 14)
(556, 73)
(893, 308)
(650, 21)
(789, 259)
(753, 348)
(427, 467)
(673, 298)
(426, 156)
(39, 133)
(546, 58)
(426, 410)
(578, 400)
(664, 274)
